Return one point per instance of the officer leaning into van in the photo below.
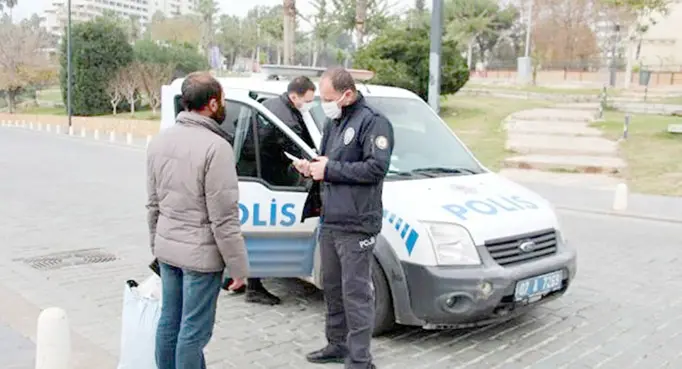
(356, 149)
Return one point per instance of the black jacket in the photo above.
(359, 146)
(276, 167)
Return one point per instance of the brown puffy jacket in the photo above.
(193, 198)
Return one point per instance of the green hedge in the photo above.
(400, 57)
(99, 49)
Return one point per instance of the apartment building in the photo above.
(84, 10)
(661, 45)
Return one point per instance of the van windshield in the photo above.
(423, 144)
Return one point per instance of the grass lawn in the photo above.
(51, 94)
(654, 156)
(139, 115)
(544, 89)
(477, 122)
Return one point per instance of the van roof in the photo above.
(260, 84)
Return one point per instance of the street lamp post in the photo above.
(68, 63)
(434, 57)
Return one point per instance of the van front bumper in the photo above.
(460, 296)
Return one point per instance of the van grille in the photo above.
(507, 251)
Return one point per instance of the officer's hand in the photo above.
(317, 167)
(303, 167)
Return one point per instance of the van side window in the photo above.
(259, 147)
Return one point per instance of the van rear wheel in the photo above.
(384, 318)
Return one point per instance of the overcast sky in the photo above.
(235, 7)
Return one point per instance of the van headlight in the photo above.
(452, 244)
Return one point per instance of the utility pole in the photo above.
(69, 70)
(434, 57)
(528, 27)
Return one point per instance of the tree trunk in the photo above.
(279, 55)
(289, 10)
(470, 51)
(360, 18)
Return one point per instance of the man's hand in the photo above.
(303, 167)
(236, 284)
(317, 167)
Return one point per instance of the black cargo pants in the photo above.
(348, 293)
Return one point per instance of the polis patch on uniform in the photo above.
(381, 142)
(348, 136)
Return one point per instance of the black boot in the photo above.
(257, 294)
(327, 355)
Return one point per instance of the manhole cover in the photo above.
(68, 258)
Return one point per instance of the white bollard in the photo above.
(96, 135)
(2, 123)
(53, 340)
(23, 124)
(48, 128)
(16, 123)
(83, 132)
(40, 126)
(129, 138)
(112, 136)
(71, 131)
(30, 126)
(620, 197)
(149, 140)
(58, 129)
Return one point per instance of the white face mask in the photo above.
(306, 107)
(332, 109)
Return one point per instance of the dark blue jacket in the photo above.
(359, 146)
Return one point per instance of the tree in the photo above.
(152, 78)
(323, 28)
(289, 20)
(99, 49)
(184, 59)
(207, 9)
(376, 16)
(360, 19)
(23, 59)
(637, 15)
(9, 4)
(178, 30)
(562, 33)
(398, 57)
(115, 90)
(130, 84)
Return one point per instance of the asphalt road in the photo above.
(60, 194)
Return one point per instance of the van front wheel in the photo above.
(384, 318)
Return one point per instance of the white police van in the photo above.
(460, 245)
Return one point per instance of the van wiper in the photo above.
(444, 170)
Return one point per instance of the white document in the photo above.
(291, 157)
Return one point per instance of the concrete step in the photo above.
(568, 163)
(550, 128)
(580, 180)
(560, 145)
(548, 114)
(592, 107)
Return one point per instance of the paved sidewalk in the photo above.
(16, 351)
(62, 195)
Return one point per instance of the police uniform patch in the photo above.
(381, 142)
(348, 136)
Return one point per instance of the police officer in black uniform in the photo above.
(356, 150)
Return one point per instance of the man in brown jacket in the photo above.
(193, 211)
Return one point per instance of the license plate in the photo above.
(537, 286)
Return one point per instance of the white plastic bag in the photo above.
(141, 312)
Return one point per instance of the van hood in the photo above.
(489, 206)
